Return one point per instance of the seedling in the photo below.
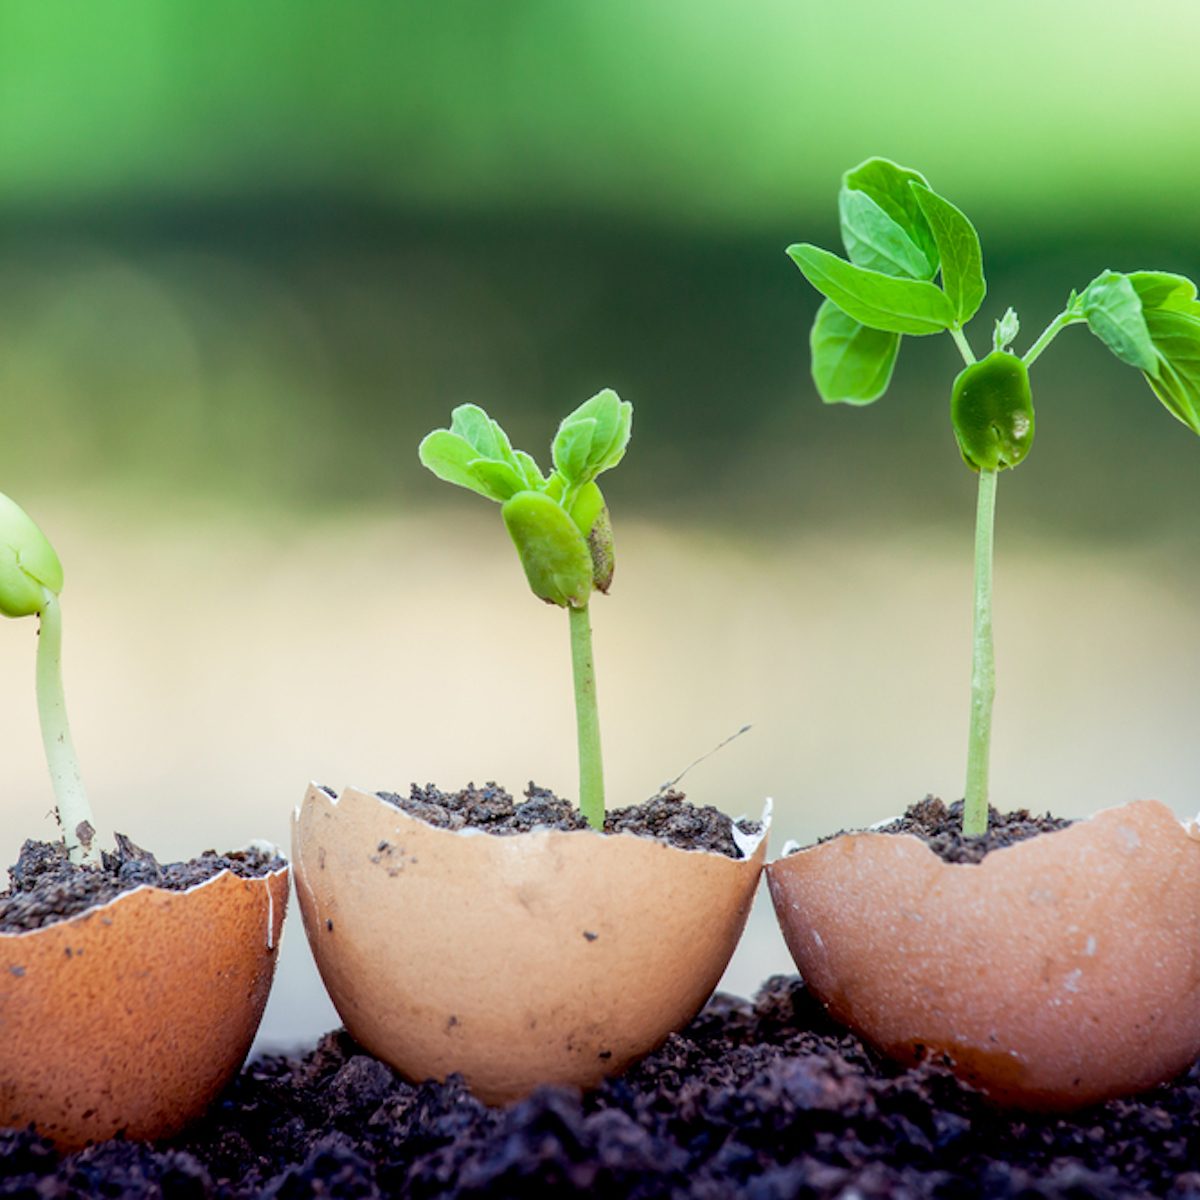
(31, 578)
(559, 524)
(899, 236)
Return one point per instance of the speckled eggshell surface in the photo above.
(133, 1015)
(1057, 972)
(542, 957)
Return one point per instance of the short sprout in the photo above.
(559, 525)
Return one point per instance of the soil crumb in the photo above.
(45, 886)
(667, 816)
(939, 826)
(766, 1100)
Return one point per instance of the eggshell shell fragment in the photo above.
(133, 1015)
(543, 957)
(1058, 972)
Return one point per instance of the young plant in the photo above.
(559, 524)
(31, 578)
(899, 237)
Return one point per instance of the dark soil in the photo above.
(939, 826)
(667, 816)
(46, 887)
(764, 1101)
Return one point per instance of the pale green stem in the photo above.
(1064, 318)
(74, 812)
(587, 717)
(964, 347)
(983, 664)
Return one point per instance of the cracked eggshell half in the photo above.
(542, 957)
(1058, 972)
(133, 1015)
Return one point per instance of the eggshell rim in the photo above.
(1191, 827)
(83, 914)
(748, 846)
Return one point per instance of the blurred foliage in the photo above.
(252, 252)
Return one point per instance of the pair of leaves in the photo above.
(1151, 320)
(559, 524)
(898, 234)
(28, 565)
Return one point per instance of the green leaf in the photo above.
(1007, 328)
(958, 249)
(555, 555)
(1176, 378)
(497, 479)
(1113, 311)
(28, 563)
(593, 438)
(874, 299)
(473, 425)
(1161, 289)
(535, 481)
(883, 226)
(851, 364)
(452, 458)
(572, 446)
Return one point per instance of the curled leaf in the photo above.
(883, 226)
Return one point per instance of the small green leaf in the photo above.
(1007, 328)
(497, 480)
(535, 481)
(873, 299)
(873, 240)
(851, 364)
(555, 555)
(1161, 289)
(883, 227)
(958, 249)
(572, 446)
(28, 564)
(593, 438)
(1176, 378)
(1113, 311)
(452, 458)
(473, 425)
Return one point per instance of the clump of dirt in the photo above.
(765, 1100)
(939, 826)
(45, 886)
(667, 816)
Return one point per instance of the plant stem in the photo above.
(1064, 318)
(587, 718)
(964, 347)
(983, 664)
(74, 812)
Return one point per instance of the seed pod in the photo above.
(28, 564)
(590, 514)
(554, 553)
(991, 408)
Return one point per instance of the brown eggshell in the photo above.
(133, 1015)
(1057, 972)
(544, 957)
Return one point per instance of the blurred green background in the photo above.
(249, 254)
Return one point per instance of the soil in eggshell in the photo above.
(46, 887)
(667, 816)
